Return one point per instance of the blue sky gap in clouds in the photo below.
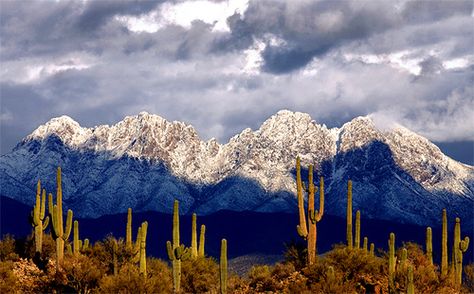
(223, 66)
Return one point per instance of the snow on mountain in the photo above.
(145, 161)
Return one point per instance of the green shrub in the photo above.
(129, 280)
(7, 248)
(199, 275)
(8, 280)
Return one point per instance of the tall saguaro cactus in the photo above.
(143, 234)
(76, 245)
(195, 250)
(429, 245)
(459, 246)
(357, 230)
(202, 239)
(60, 233)
(194, 245)
(391, 259)
(223, 267)
(128, 233)
(176, 251)
(349, 215)
(309, 233)
(444, 245)
(38, 221)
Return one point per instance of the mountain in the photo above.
(145, 162)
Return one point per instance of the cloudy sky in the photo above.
(223, 66)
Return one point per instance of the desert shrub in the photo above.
(8, 280)
(199, 275)
(260, 279)
(357, 268)
(82, 273)
(469, 278)
(236, 284)
(129, 279)
(7, 248)
(29, 276)
(296, 254)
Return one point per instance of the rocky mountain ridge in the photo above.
(145, 161)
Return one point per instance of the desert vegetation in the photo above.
(51, 261)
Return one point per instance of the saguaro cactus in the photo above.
(429, 245)
(309, 233)
(349, 215)
(410, 286)
(223, 267)
(144, 229)
(60, 233)
(202, 240)
(38, 221)
(372, 249)
(460, 246)
(357, 230)
(128, 233)
(444, 245)
(76, 245)
(176, 251)
(391, 259)
(366, 243)
(194, 249)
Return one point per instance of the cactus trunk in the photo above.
(429, 245)
(202, 240)
(38, 221)
(357, 230)
(459, 248)
(128, 233)
(143, 249)
(194, 249)
(349, 215)
(366, 243)
(223, 267)
(391, 260)
(76, 238)
(309, 233)
(444, 246)
(410, 286)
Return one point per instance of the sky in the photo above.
(224, 66)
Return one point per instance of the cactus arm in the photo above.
(320, 213)
(68, 225)
(50, 204)
(86, 244)
(43, 204)
(464, 244)
(45, 223)
(169, 250)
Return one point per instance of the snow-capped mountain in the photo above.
(145, 162)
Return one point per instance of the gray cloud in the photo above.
(75, 59)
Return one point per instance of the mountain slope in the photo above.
(145, 162)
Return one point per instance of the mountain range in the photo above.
(145, 162)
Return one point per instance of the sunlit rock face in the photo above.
(145, 162)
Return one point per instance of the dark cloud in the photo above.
(312, 28)
(97, 13)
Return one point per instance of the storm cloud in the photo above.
(410, 62)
